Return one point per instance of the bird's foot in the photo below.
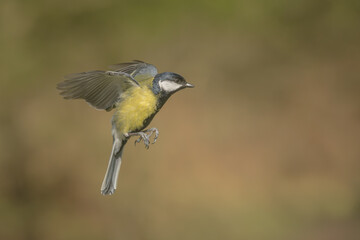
(145, 137)
(151, 131)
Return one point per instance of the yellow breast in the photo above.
(137, 105)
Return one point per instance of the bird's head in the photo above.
(169, 83)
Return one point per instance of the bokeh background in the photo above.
(267, 146)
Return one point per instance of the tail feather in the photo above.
(110, 180)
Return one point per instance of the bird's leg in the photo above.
(144, 136)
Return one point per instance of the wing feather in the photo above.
(139, 70)
(101, 89)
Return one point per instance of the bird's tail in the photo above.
(109, 184)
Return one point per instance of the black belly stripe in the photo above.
(160, 102)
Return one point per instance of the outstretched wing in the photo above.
(139, 70)
(101, 89)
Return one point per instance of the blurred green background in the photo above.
(267, 146)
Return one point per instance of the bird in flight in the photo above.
(136, 91)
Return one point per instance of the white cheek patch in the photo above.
(169, 86)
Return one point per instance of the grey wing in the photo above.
(99, 88)
(139, 70)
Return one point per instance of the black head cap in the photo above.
(170, 82)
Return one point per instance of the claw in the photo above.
(146, 142)
(137, 141)
(145, 138)
(156, 136)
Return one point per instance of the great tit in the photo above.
(136, 91)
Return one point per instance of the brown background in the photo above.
(267, 146)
